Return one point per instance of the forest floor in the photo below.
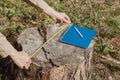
(101, 15)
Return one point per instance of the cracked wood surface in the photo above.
(58, 61)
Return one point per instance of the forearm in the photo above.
(56, 16)
(42, 5)
(5, 47)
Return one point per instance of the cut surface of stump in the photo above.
(58, 61)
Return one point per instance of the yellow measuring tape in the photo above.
(51, 38)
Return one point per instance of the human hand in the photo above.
(21, 59)
(60, 17)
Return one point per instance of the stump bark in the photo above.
(56, 61)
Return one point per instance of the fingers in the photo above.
(65, 18)
(54, 19)
(27, 64)
(61, 17)
(24, 60)
(27, 61)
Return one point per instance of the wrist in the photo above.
(51, 12)
(13, 53)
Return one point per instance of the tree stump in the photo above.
(57, 61)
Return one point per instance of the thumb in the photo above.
(54, 19)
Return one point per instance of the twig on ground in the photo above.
(111, 59)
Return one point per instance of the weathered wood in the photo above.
(58, 61)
